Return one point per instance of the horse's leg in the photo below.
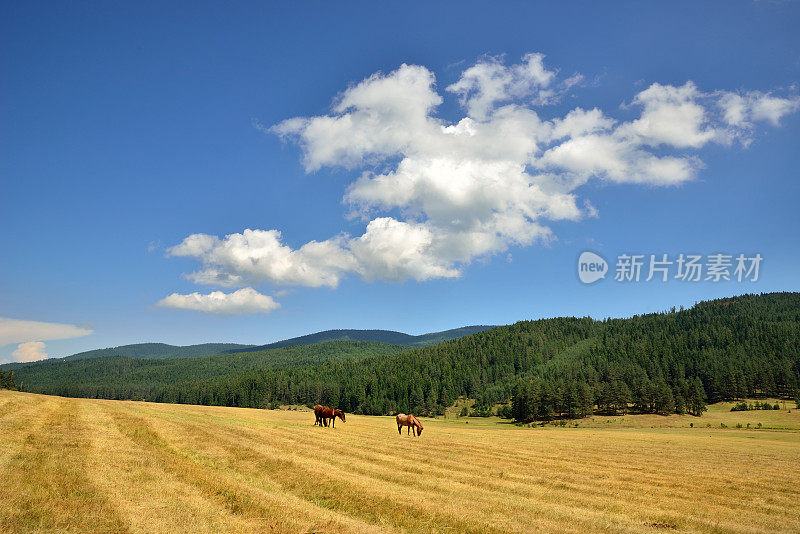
(399, 427)
(333, 421)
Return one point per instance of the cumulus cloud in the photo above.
(18, 331)
(256, 256)
(742, 109)
(436, 195)
(488, 82)
(246, 300)
(32, 351)
(671, 116)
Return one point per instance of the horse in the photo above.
(318, 411)
(411, 422)
(323, 414)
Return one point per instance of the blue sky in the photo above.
(451, 191)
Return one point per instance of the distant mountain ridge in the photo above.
(165, 351)
(382, 336)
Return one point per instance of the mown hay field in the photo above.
(80, 465)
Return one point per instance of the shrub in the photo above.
(505, 411)
(481, 412)
(743, 406)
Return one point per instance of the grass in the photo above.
(80, 465)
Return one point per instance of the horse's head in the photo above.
(418, 424)
(340, 414)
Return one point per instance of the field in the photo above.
(79, 465)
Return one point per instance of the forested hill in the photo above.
(662, 362)
(380, 336)
(161, 350)
(119, 377)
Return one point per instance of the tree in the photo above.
(7, 379)
(695, 404)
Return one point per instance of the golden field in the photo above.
(80, 465)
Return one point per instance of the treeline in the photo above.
(541, 399)
(676, 361)
(744, 407)
(7, 379)
(115, 377)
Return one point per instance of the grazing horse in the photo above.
(323, 414)
(411, 422)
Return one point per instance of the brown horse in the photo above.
(411, 422)
(323, 414)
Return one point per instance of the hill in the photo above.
(380, 336)
(160, 350)
(130, 378)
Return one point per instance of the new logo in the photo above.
(591, 267)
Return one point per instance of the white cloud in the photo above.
(257, 256)
(741, 109)
(395, 251)
(489, 82)
(246, 300)
(735, 109)
(31, 351)
(437, 195)
(580, 122)
(671, 116)
(617, 160)
(773, 109)
(18, 331)
(370, 121)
